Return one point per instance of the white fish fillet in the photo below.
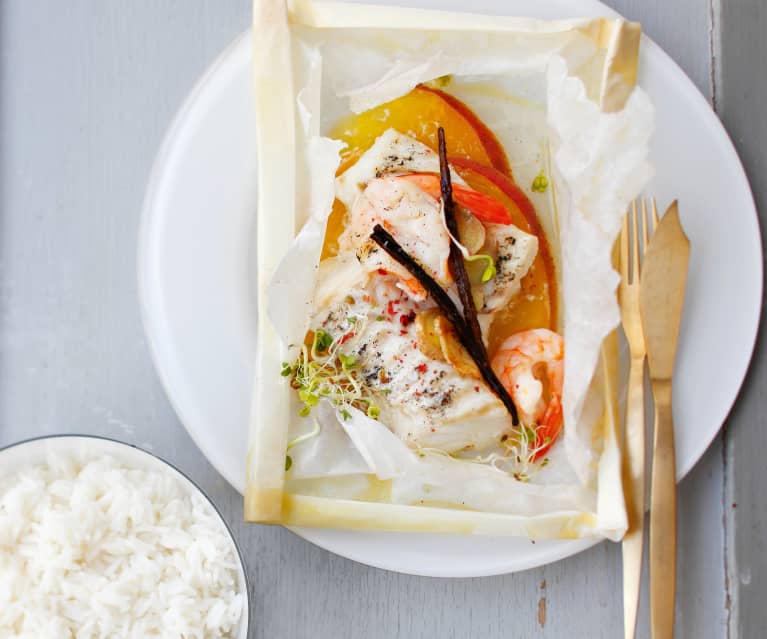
(427, 403)
(514, 252)
(392, 153)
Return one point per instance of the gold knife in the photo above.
(664, 274)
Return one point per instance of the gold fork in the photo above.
(634, 437)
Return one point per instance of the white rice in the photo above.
(92, 548)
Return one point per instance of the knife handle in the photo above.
(634, 483)
(663, 517)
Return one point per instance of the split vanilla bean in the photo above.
(475, 348)
(455, 259)
(386, 241)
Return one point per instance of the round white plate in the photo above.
(197, 283)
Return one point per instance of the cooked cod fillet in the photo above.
(425, 402)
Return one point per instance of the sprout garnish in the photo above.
(516, 458)
(490, 271)
(323, 371)
(540, 183)
(306, 436)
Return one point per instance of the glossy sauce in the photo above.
(479, 159)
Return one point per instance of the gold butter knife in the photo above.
(664, 274)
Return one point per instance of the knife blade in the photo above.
(661, 300)
(664, 275)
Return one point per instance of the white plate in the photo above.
(197, 283)
(22, 455)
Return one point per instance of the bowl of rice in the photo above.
(102, 539)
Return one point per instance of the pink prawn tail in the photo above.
(550, 427)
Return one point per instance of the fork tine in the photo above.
(625, 249)
(645, 225)
(654, 214)
(634, 244)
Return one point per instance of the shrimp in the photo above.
(486, 209)
(531, 367)
(413, 218)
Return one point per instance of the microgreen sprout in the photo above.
(322, 370)
(515, 457)
(540, 183)
(490, 271)
(441, 82)
(520, 450)
(306, 436)
(373, 411)
(322, 341)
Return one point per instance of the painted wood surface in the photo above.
(740, 50)
(87, 89)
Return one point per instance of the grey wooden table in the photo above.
(87, 88)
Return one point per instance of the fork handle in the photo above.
(663, 517)
(634, 483)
